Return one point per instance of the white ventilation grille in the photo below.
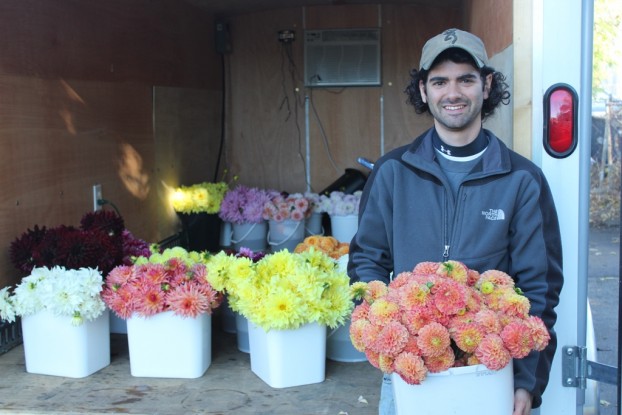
(342, 57)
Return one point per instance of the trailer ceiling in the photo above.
(233, 7)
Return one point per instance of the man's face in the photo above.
(455, 93)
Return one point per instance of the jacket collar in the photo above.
(495, 160)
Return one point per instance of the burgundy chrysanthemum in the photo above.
(110, 250)
(21, 248)
(76, 250)
(48, 252)
(104, 221)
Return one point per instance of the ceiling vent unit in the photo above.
(342, 57)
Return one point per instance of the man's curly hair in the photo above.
(498, 94)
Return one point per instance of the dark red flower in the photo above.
(22, 248)
(105, 221)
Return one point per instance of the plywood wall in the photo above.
(77, 83)
(128, 94)
(271, 110)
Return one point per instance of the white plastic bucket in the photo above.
(287, 358)
(313, 224)
(53, 346)
(286, 234)
(166, 345)
(249, 235)
(344, 227)
(467, 390)
(241, 325)
(339, 346)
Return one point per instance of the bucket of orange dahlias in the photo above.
(444, 327)
(168, 304)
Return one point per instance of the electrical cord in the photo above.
(223, 102)
(103, 202)
(286, 57)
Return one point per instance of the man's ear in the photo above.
(424, 97)
(487, 85)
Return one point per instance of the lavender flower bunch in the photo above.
(244, 204)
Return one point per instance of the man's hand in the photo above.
(522, 402)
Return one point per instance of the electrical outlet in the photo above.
(97, 196)
(287, 36)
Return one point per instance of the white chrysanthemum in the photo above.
(63, 292)
(7, 311)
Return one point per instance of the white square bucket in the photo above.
(170, 346)
(52, 346)
(241, 326)
(287, 358)
(468, 390)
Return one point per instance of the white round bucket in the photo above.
(249, 235)
(344, 227)
(339, 346)
(313, 225)
(286, 234)
(241, 325)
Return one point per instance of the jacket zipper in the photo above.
(461, 198)
(445, 255)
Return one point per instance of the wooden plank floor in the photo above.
(228, 387)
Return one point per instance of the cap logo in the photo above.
(450, 36)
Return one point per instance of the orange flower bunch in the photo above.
(327, 244)
(443, 315)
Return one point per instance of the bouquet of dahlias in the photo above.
(101, 242)
(174, 280)
(73, 293)
(444, 315)
(284, 290)
(315, 201)
(340, 203)
(228, 268)
(202, 197)
(282, 206)
(327, 244)
(244, 204)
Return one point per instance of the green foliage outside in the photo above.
(607, 40)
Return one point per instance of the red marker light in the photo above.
(560, 120)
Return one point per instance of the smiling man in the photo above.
(458, 193)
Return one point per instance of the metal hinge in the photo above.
(576, 369)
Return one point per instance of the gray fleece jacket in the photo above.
(503, 218)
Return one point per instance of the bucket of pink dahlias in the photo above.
(444, 327)
(168, 305)
(286, 214)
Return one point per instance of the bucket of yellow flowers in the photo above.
(197, 207)
(288, 299)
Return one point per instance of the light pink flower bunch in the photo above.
(284, 206)
(150, 288)
(444, 315)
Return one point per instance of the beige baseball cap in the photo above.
(453, 38)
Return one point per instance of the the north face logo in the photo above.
(493, 214)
